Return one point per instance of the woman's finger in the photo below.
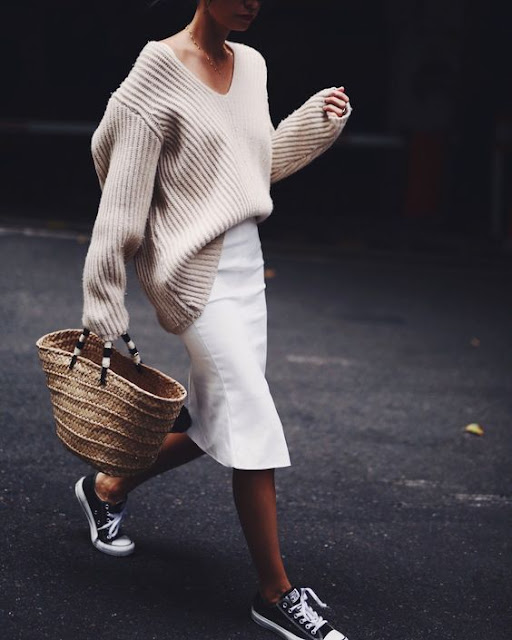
(339, 112)
(340, 94)
(340, 89)
(336, 101)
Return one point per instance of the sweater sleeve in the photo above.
(304, 135)
(125, 149)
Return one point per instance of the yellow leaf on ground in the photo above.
(474, 428)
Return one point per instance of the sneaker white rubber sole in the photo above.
(284, 633)
(124, 546)
(268, 624)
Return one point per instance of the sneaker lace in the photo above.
(309, 615)
(113, 522)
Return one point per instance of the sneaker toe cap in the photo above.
(121, 541)
(335, 635)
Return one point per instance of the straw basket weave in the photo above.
(116, 423)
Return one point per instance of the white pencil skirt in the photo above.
(234, 418)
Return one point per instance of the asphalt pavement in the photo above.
(392, 512)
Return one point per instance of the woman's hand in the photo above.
(336, 101)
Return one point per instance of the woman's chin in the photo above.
(240, 24)
(239, 27)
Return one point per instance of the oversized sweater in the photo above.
(179, 164)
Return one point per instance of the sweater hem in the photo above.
(181, 325)
(182, 314)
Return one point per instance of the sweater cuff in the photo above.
(107, 323)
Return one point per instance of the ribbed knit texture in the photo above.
(179, 164)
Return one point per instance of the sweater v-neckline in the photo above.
(191, 74)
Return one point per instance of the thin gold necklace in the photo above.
(209, 59)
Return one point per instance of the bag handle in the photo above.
(107, 352)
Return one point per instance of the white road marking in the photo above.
(318, 360)
(479, 499)
(45, 233)
(470, 499)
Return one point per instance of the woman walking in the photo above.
(185, 155)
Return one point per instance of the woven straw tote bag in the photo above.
(115, 422)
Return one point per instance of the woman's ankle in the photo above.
(109, 488)
(272, 594)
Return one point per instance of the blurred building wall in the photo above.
(417, 152)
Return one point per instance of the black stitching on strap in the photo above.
(79, 346)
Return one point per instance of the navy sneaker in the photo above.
(104, 519)
(294, 616)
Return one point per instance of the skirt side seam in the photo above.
(198, 333)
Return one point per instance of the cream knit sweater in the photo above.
(178, 164)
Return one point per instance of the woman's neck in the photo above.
(209, 35)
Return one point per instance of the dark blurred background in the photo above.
(422, 164)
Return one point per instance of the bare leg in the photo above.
(177, 449)
(255, 499)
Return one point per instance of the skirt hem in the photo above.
(231, 464)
